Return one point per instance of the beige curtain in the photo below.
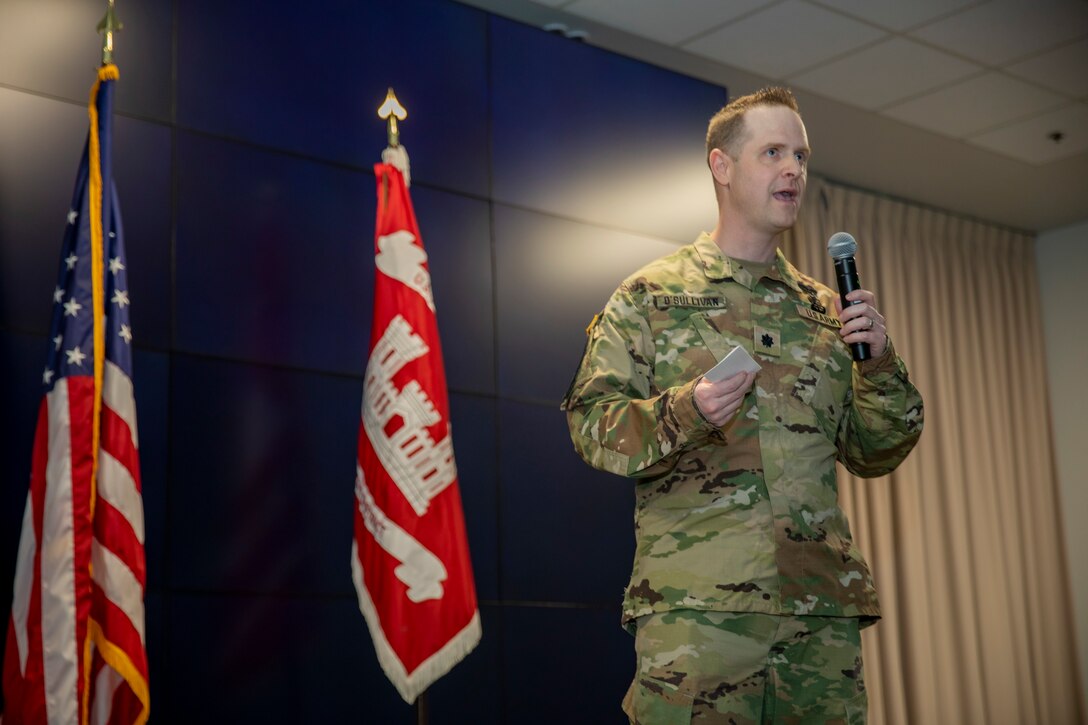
(965, 537)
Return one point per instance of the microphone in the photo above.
(842, 248)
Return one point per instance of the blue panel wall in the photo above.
(566, 531)
(306, 79)
(544, 172)
(272, 255)
(565, 665)
(552, 276)
(263, 473)
(592, 136)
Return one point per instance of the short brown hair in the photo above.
(726, 128)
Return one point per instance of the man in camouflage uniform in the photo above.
(748, 594)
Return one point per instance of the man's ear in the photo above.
(721, 166)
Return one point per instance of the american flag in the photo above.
(75, 647)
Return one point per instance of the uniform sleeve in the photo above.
(618, 422)
(883, 420)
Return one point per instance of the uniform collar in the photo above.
(717, 267)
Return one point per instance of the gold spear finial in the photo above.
(109, 25)
(392, 110)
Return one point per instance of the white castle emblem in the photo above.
(420, 466)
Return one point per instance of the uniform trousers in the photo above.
(726, 667)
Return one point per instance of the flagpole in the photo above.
(98, 206)
(423, 708)
(391, 111)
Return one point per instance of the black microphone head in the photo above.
(841, 246)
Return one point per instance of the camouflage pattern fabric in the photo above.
(742, 518)
(741, 669)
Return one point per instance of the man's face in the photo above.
(767, 179)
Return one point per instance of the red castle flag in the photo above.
(410, 558)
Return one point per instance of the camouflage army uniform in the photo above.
(740, 523)
(742, 518)
(696, 666)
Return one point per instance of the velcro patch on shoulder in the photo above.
(684, 299)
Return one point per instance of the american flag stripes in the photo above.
(75, 648)
(410, 558)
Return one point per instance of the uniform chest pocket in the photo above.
(720, 332)
(826, 369)
(687, 343)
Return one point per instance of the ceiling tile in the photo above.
(784, 39)
(1064, 69)
(667, 23)
(884, 73)
(897, 14)
(975, 105)
(1028, 140)
(1005, 30)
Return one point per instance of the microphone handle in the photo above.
(847, 273)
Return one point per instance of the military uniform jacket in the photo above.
(745, 517)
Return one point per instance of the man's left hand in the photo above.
(862, 322)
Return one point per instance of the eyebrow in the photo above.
(780, 145)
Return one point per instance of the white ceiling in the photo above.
(974, 88)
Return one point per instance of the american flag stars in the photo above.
(120, 296)
(72, 338)
(73, 307)
(75, 356)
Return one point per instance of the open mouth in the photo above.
(785, 195)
